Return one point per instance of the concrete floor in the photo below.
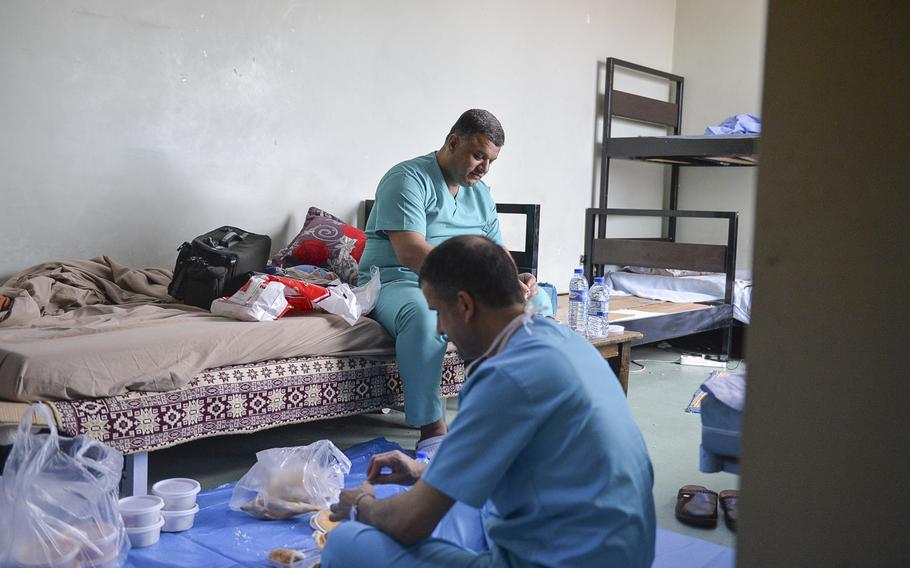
(658, 396)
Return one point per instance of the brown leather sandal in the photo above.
(696, 506)
(729, 503)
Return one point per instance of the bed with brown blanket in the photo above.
(117, 359)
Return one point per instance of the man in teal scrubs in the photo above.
(419, 204)
(543, 433)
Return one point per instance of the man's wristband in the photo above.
(356, 503)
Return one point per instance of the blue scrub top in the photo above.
(544, 431)
(413, 196)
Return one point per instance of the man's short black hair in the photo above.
(479, 121)
(475, 265)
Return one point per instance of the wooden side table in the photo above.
(616, 348)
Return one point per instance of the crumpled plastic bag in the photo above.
(58, 500)
(337, 298)
(286, 482)
(260, 299)
(351, 303)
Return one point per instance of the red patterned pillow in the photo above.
(325, 240)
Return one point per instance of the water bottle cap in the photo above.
(579, 271)
(422, 456)
(598, 279)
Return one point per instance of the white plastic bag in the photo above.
(286, 482)
(58, 500)
(351, 303)
(368, 294)
(258, 300)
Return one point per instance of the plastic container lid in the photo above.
(178, 521)
(176, 487)
(579, 271)
(139, 504)
(598, 279)
(422, 456)
(185, 513)
(145, 536)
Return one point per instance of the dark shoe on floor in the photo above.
(729, 503)
(696, 506)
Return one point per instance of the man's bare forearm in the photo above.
(409, 517)
(411, 248)
(414, 258)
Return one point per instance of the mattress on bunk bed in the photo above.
(625, 307)
(239, 399)
(686, 289)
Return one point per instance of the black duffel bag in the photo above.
(217, 264)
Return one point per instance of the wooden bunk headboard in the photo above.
(525, 259)
(660, 252)
(638, 108)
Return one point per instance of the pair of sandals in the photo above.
(697, 506)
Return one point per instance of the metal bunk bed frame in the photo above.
(664, 252)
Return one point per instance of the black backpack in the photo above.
(217, 264)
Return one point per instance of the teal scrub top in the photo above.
(544, 432)
(413, 196)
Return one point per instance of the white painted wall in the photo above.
(130, 126)
(719, 49)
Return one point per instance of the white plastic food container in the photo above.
(179, 493)
(140, 511)
(176, 521)
(145, 536)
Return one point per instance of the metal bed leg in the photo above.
(727, 344)
(135, 479)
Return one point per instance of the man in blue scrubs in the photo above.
(419, 204)
(543, 434)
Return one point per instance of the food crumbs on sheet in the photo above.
(241, 536)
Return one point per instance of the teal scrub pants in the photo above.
(402, 310)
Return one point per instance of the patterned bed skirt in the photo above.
(245, 398)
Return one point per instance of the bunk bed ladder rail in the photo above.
(640, 109)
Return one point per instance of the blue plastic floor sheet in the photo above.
(221, 538)
(674, 550)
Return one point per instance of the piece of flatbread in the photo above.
(286, 558)
(276, 509)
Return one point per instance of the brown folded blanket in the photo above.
(53, 288)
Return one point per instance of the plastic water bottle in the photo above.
(598, 308)
(578, 302)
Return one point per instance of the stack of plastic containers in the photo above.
(171, 508)
(180, 508)
(142, 517)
